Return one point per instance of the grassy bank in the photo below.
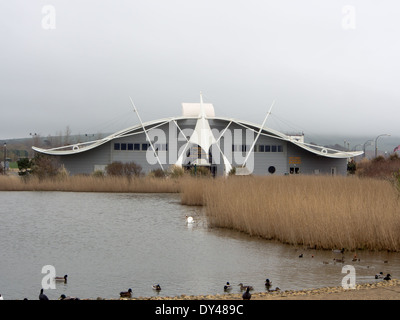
(322, 212)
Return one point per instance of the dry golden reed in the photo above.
(90, 184)
(323, 212)
(318, 211)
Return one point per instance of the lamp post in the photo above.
(365, 145)
(376, 142)
(5, 158)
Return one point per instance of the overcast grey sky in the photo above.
(331, 66)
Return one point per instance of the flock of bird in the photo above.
(227, 287)
(247, 295)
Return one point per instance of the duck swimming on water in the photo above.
(156, 287)
(242, 287)
(388, 277)
(227, 287)
(64, 279)
(189, 220)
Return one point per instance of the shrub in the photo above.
(44, 166)
(24, 166)
(124, 169)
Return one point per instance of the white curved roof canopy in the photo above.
(150, 125)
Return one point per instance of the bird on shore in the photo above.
(63, 297)
(42, 296)
(242, 287)
(227, 287)
(126, 294)
(301, 255)
(379, 275)
(64, 279)
(388, 277)
(156, 287)
(247, 294)
(268, 284)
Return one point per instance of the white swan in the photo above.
(189, 220)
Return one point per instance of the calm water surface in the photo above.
(109, 242)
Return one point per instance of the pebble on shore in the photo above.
(265, 295)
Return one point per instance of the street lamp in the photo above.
(5, 157)
(366, 144)
(376, 142)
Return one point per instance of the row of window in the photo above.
(257, 148)
(164, 147)
(140, 146)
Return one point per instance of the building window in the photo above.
(123, 146)
(267, 149)
(294, 170)
(117, 146)
(136, 146)
(145, 146)
(130, 146)
(273, 148)
(261, 148)
(161, 146)
(280, 148)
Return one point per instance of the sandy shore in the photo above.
(384, 290)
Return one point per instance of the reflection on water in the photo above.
(108, 243)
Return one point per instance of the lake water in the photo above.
(109, 242)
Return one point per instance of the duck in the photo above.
(379, 275)
(126, 294)
(242, 287)
(247, 294)
(63, 297)
(339, 260)
(338, 251)
(42, 296)
(189, 220)
(268, 283)
(388, 277)
(301, 255)
(156, 287)
(227, 287)
(61, 278)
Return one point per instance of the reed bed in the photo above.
(90, 184)
(318, 211)
(321, 212)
